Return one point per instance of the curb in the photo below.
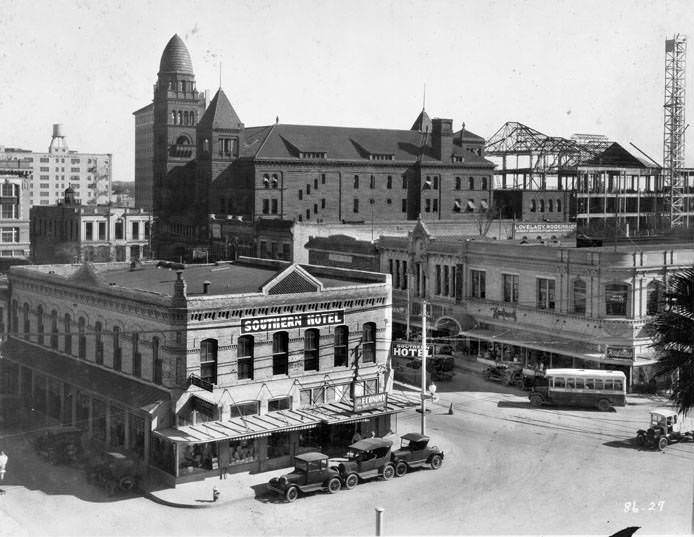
(182, 505)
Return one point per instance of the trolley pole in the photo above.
(424, 361)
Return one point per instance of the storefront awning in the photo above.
(538, 341)
(256, 426)
(126, 392)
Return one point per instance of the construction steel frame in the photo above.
(674, 129)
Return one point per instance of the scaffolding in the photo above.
(674, 130)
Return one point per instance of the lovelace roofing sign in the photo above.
(545, 227)
(367, 402)
(250, 325)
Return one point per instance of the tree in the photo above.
(673, 337)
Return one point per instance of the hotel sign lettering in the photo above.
(367, 402)
(410, 350)
(297, 320)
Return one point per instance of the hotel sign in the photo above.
(410, 350)
(251, 325)
(367, 402)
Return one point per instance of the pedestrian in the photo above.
(3, 464)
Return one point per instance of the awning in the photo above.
(538, 341)
(128, 393)
(256, 426)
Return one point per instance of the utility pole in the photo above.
(424, 360)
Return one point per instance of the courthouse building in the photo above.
(243, 364)
(542, 303)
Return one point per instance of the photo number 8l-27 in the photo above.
(631, 507)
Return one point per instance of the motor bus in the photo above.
(593, 388)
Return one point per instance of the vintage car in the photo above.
(60, 444)
(311, 472)
(115, 472)
(665, 428)
(365, 459)
(415, 452)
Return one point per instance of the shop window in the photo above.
(510, 282)
(117, 351)
(244, 409)
(244, 356)
(478, 283)
(341, 346)
(616, 299)
(98, 344)
(281, 403)
(369, 343)
(208, 360)
(545, 294)
(280, 353)
(198, 457)
(241, 452)
(311, 349)
(278, 445)
(579, 296)
(67, 341)
(81, 339)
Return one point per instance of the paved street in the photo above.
(509, 469)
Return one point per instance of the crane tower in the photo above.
(674, 127)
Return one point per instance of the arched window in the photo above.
(341, 346)
(458, 183)
(471, 183)
(244, 356)
(137, 357)
(356, 181)
(173, 117)
(558, 205)
(654, 297)
(542, 206)
(81, 339)
(550, 206)
(98, 343)
(185, 118)
(616, 296)
(275, 181)
(280, 353)
(117, 351)
(67, 338)
(157, 362)
(266, 181)
(533, 206)
(579, 296)
(27, 322)
(311, 341)
(369, 343)
(484, 183)
(208, 360)
(39, 324)
(180, 118)
(54, 329)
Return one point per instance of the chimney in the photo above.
(442, 138)
(179, 286)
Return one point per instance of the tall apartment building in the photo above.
(144, 154)
(88, 174)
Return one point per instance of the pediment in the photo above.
(293, 279)
(86, 275)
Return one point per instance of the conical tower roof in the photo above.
(220, 114)
(176, 58)
(422, 123)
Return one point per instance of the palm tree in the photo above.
(673, 337)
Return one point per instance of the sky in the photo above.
(561, 67)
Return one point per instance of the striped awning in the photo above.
(256, 426)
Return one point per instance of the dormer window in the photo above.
(458, 158)
(427, 183)
(275, 181)
(313, 155)
(266, 181)
(226, 147)
(381, 156)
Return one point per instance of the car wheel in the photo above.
(662, 443)
(400, 469)
(351, 481)
(436, 462)
(388, 472)
(604, 405)
(334, 485)
(535, 400)
(291, 494)
(641, 439)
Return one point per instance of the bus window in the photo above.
(609, 384)
(570, 383)
(559, 382)
(579, 383)
(617, 385)
(598, 384)
(590, 384)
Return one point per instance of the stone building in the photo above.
(542, 303)
(242, 364)
(70, 232)
(15, 201)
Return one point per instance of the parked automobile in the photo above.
(415, 452)
(115, 472)
(504, 373)
(60, 444)
(311, 472)
(665, 428)
(365, 459)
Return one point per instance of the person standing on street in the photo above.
(3, 464)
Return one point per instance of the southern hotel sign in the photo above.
(293, 320)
